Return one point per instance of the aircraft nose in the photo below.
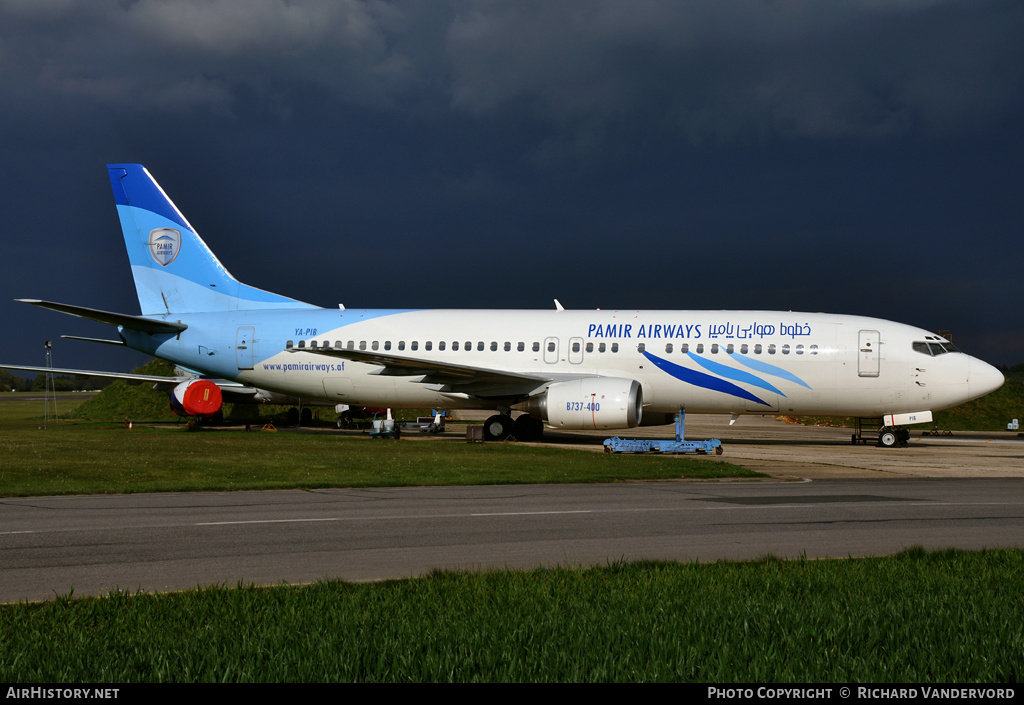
(984, 378)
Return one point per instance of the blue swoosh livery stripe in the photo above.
(700, 379)
(734, 374)
(768, 369)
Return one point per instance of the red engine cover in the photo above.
(198, 397)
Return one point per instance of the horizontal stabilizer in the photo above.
(139, 323)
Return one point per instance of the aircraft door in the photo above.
(245, 345)
(867, 353)
(551, 350)
(575, 350)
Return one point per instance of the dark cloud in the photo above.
(857, 156)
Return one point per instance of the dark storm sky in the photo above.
(852, 156)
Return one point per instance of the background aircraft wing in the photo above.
(127, 376)
(242, 391)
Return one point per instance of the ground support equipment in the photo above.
(385, 428)
(679, 445)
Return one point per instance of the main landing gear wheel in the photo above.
(529, 428)
(498, 427)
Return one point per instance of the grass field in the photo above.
(79, 457)
(917, 617)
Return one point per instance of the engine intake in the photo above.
(197, 397)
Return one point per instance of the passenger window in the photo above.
(684, 348)
(576, 347)
(362, 345)
(428, 345)
(536, 347)
(757, 348)
(615, 347)
(799, 349)
(469, 346)
(601, 347)
(415, 345)
(440, 346)
(508, 346)
(668, 347)
(714, 348)
(494, 346)
(551, 346)
(771, 349)
(814, 349)
(289, 344)
(641, 347)
(480, 346)
(729, 348)
(375, 345)
(401, 345)
(785, 349)
(521, 347)
(744, 348)
(302, 343)
(700, 348)
(337, 344)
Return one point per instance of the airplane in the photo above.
(566, 369)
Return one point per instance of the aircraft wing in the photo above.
(443, 376)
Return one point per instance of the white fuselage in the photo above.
(736, 362)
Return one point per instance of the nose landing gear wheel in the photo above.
(893, 437)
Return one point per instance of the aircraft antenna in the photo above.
(50, 392)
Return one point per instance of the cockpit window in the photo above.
(933, 349)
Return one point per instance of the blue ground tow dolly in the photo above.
(679, 445)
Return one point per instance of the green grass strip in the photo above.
(84, 459)
(950, 616)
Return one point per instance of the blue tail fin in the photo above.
(174, 270)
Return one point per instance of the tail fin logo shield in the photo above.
(164, 245)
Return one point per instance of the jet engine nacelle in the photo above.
(196, 397)
(592, 403)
